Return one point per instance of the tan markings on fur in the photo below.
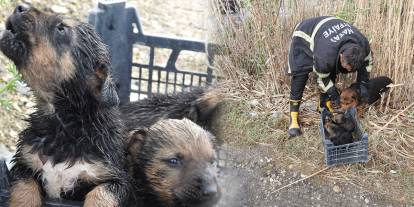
(30, 159)
(361, 110)
(70, 22)
(100, 197)
(134, 143)
(349, 99)
(97, 81)
(209, 99)
(45, 69)
(188, 139)
(338, 118)
(59, 177)
(329, 128)
(25, 193)
(96, 84)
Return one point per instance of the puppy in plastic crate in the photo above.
(341, 128)
(341, 125)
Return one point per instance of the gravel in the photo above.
(251, 178)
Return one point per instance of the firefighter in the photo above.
(327, 46)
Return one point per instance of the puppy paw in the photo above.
(25, 193)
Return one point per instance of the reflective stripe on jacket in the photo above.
(323, 38)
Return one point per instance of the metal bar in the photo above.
(175, 82)
(191, 80)
(159, 81)
(167, 80)
(139, 83)
(182, 89)
(150, 69)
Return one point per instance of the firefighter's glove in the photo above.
(334, 97)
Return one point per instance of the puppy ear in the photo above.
(105, 89)
(193, 113)
(135, 141)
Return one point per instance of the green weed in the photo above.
(9, 86)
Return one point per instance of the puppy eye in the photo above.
(173, 161)
(61, 28)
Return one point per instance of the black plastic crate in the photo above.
(356, 152)
(119, 25)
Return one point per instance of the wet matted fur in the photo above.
(340, 128)
(351, 98)
(73, 145)
(197, 105)
(173, 162)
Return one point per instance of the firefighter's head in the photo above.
(352, 57)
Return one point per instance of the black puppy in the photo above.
(340, 128)
(73, 145)
(197, 105)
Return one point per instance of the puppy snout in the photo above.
(210, 190)
(21, 8)
(209, 186)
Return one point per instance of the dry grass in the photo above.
(254, 68)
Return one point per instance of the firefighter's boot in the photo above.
(294, 127)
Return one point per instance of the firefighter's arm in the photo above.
(327, 86)
(363, 78)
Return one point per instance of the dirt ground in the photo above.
(250, 176)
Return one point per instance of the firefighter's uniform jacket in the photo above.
(316, 45)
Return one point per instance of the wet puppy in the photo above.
(350, 96)
(197, 105)
(173, 163)
(340, 128)
(72, 148)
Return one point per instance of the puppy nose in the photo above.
(210, 190)
(21, 8)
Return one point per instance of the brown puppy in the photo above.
(173, 163)
(350, 98)
(72, 148)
